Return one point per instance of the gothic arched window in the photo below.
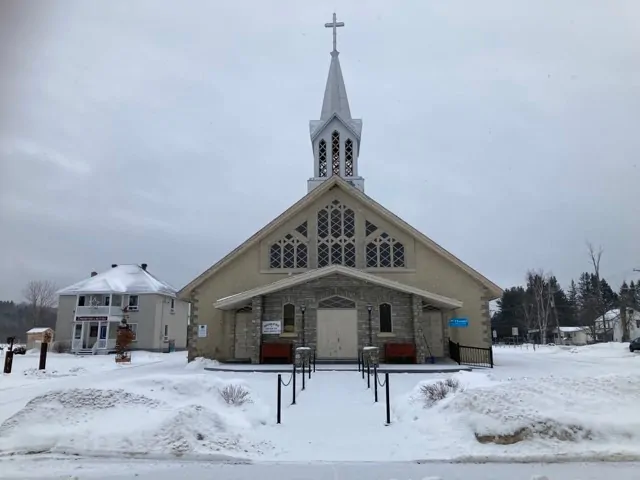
(335, 152)
(290, 251)
(336, 235)
(383, 251)
(322, 158)
(348, 158)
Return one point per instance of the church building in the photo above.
(337, 271)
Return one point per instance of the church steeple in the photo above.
(335, 138)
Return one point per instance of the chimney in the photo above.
(93, 274)
(144, 266)
(114, 265)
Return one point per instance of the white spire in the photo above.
(335, 137)
(335, 93)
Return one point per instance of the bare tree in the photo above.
(540, 285)
(601, 305)
(40, 295)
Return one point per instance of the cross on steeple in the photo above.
(335, 24)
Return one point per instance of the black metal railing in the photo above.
(473, 356)
(371, 370)
(308, 365)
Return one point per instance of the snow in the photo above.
(131, 279)
(572, 329)
(556, 401)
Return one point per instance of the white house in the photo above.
(90, 311)
(614, 323)
(573, 336)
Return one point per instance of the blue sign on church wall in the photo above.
(459, 322)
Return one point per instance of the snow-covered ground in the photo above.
(554, 404)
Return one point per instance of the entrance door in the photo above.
(243, 335)
(90, 334)
(337, 333)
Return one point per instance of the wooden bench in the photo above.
(399, 353)
(276, 353)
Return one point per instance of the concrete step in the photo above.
(336, 361)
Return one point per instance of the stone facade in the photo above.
(407, 315)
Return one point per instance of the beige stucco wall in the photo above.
(64, 320)
(425, 269)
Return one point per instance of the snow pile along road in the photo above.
(528, 419)
(180, 416)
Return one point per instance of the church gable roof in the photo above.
(242, 297)
(336, 181)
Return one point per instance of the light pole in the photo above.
(369, 308)
(303, 309)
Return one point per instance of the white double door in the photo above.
(337, 333)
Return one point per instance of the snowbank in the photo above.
(179, 416)
(541, 418)
(201, 363)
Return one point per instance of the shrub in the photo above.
(61, 347)
(235, 395)
(434, 392)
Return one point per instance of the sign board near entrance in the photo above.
(91, 319)
(272, 327)
(202, 331)
(459, 322)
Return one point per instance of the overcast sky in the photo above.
(169, 132)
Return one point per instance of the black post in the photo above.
(363, 366)
(8, 356)
(309, 366)
(43, 355)
(293, 381)
(279, 396)
(386, 385)
(303, 309)
(375, 383)
(303, 375)
(368, 376)
(314, 361)
(359, 359)
(369, 308)
(491, 356)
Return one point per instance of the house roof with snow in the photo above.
(131, 279)
(572, 329)
(39, 330)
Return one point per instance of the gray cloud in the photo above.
(166, 133)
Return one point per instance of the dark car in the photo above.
(21, 350)
(634, 345)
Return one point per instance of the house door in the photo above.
(243, 335)
(90, 334)
(337, 333)
(76, 343)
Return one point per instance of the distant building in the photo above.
(613, 324)
(37, 335)
(572, 336)
(90, 311)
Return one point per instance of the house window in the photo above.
(133, 301)
(103, 332)
(107, 300)
(637, 323)
(337, 302)
(134, 329)
(77, 332)
(116, 300)
(173, 304)
(81, 300)
(322, 158)
(385, 318)
(289, 318)
(166, 332)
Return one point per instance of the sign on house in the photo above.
(459, 322)
(202, 331)
(272, 327)
(514, 331)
